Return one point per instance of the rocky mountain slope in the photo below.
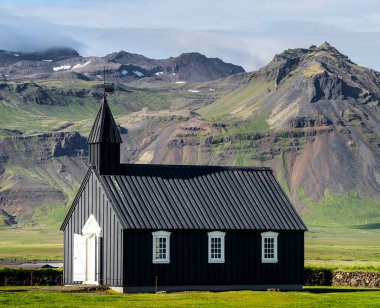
(67, 64)
(310, 114)
(321, 93)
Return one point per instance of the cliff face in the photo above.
(38, 176)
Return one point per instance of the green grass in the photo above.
(313, 70)
(249, 126)
(328, 247)
(310, 297)
(49, 215)
(283, 182)
(45, 215)
(346, 209)
(242, 101)
(18, 113)
(29, 244)
(358, 67)
(29, 118)
(342, 248)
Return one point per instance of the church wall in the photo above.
(93, 201)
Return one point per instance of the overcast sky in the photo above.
(245, 32)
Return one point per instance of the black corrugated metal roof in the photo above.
(104, 128)
(200, 197)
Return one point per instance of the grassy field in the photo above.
(349, 208)
(328, 247)
(343, 247)
(31, 244)
(310, 297)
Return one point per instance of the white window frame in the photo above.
(269, 235)
(166, 236)
(220, 235)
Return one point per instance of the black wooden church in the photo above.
(170, 227)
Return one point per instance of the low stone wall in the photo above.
(342, 278)
(30, 277)
(317, 277)
(356, 279)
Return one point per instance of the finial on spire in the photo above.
(104, 129)
(104, 139)
(107, 87)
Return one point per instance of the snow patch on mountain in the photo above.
(61, 68)
(138, 73)
(81, 65)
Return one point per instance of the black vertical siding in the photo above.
(93, 201)
(105, 157)
(189, 260)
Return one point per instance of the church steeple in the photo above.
(104, 142)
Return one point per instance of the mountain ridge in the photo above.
(67, 64)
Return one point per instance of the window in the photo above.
(216, 247)
(161, 247)
(269, 247)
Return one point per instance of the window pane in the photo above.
(215, 248)
(160, 246)
(269, 247)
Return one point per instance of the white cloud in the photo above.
(195, 14)
(244, 32)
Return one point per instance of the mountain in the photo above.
(329, 105)
(67, 64)
(311, 114)
(54, 54)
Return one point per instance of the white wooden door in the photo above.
(79, 264)
(91, 259)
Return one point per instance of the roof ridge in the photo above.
(197, 167)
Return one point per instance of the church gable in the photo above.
(91, 199)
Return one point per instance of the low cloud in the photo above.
(30, 34)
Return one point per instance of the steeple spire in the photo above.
(104, 141)
(104, 128)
